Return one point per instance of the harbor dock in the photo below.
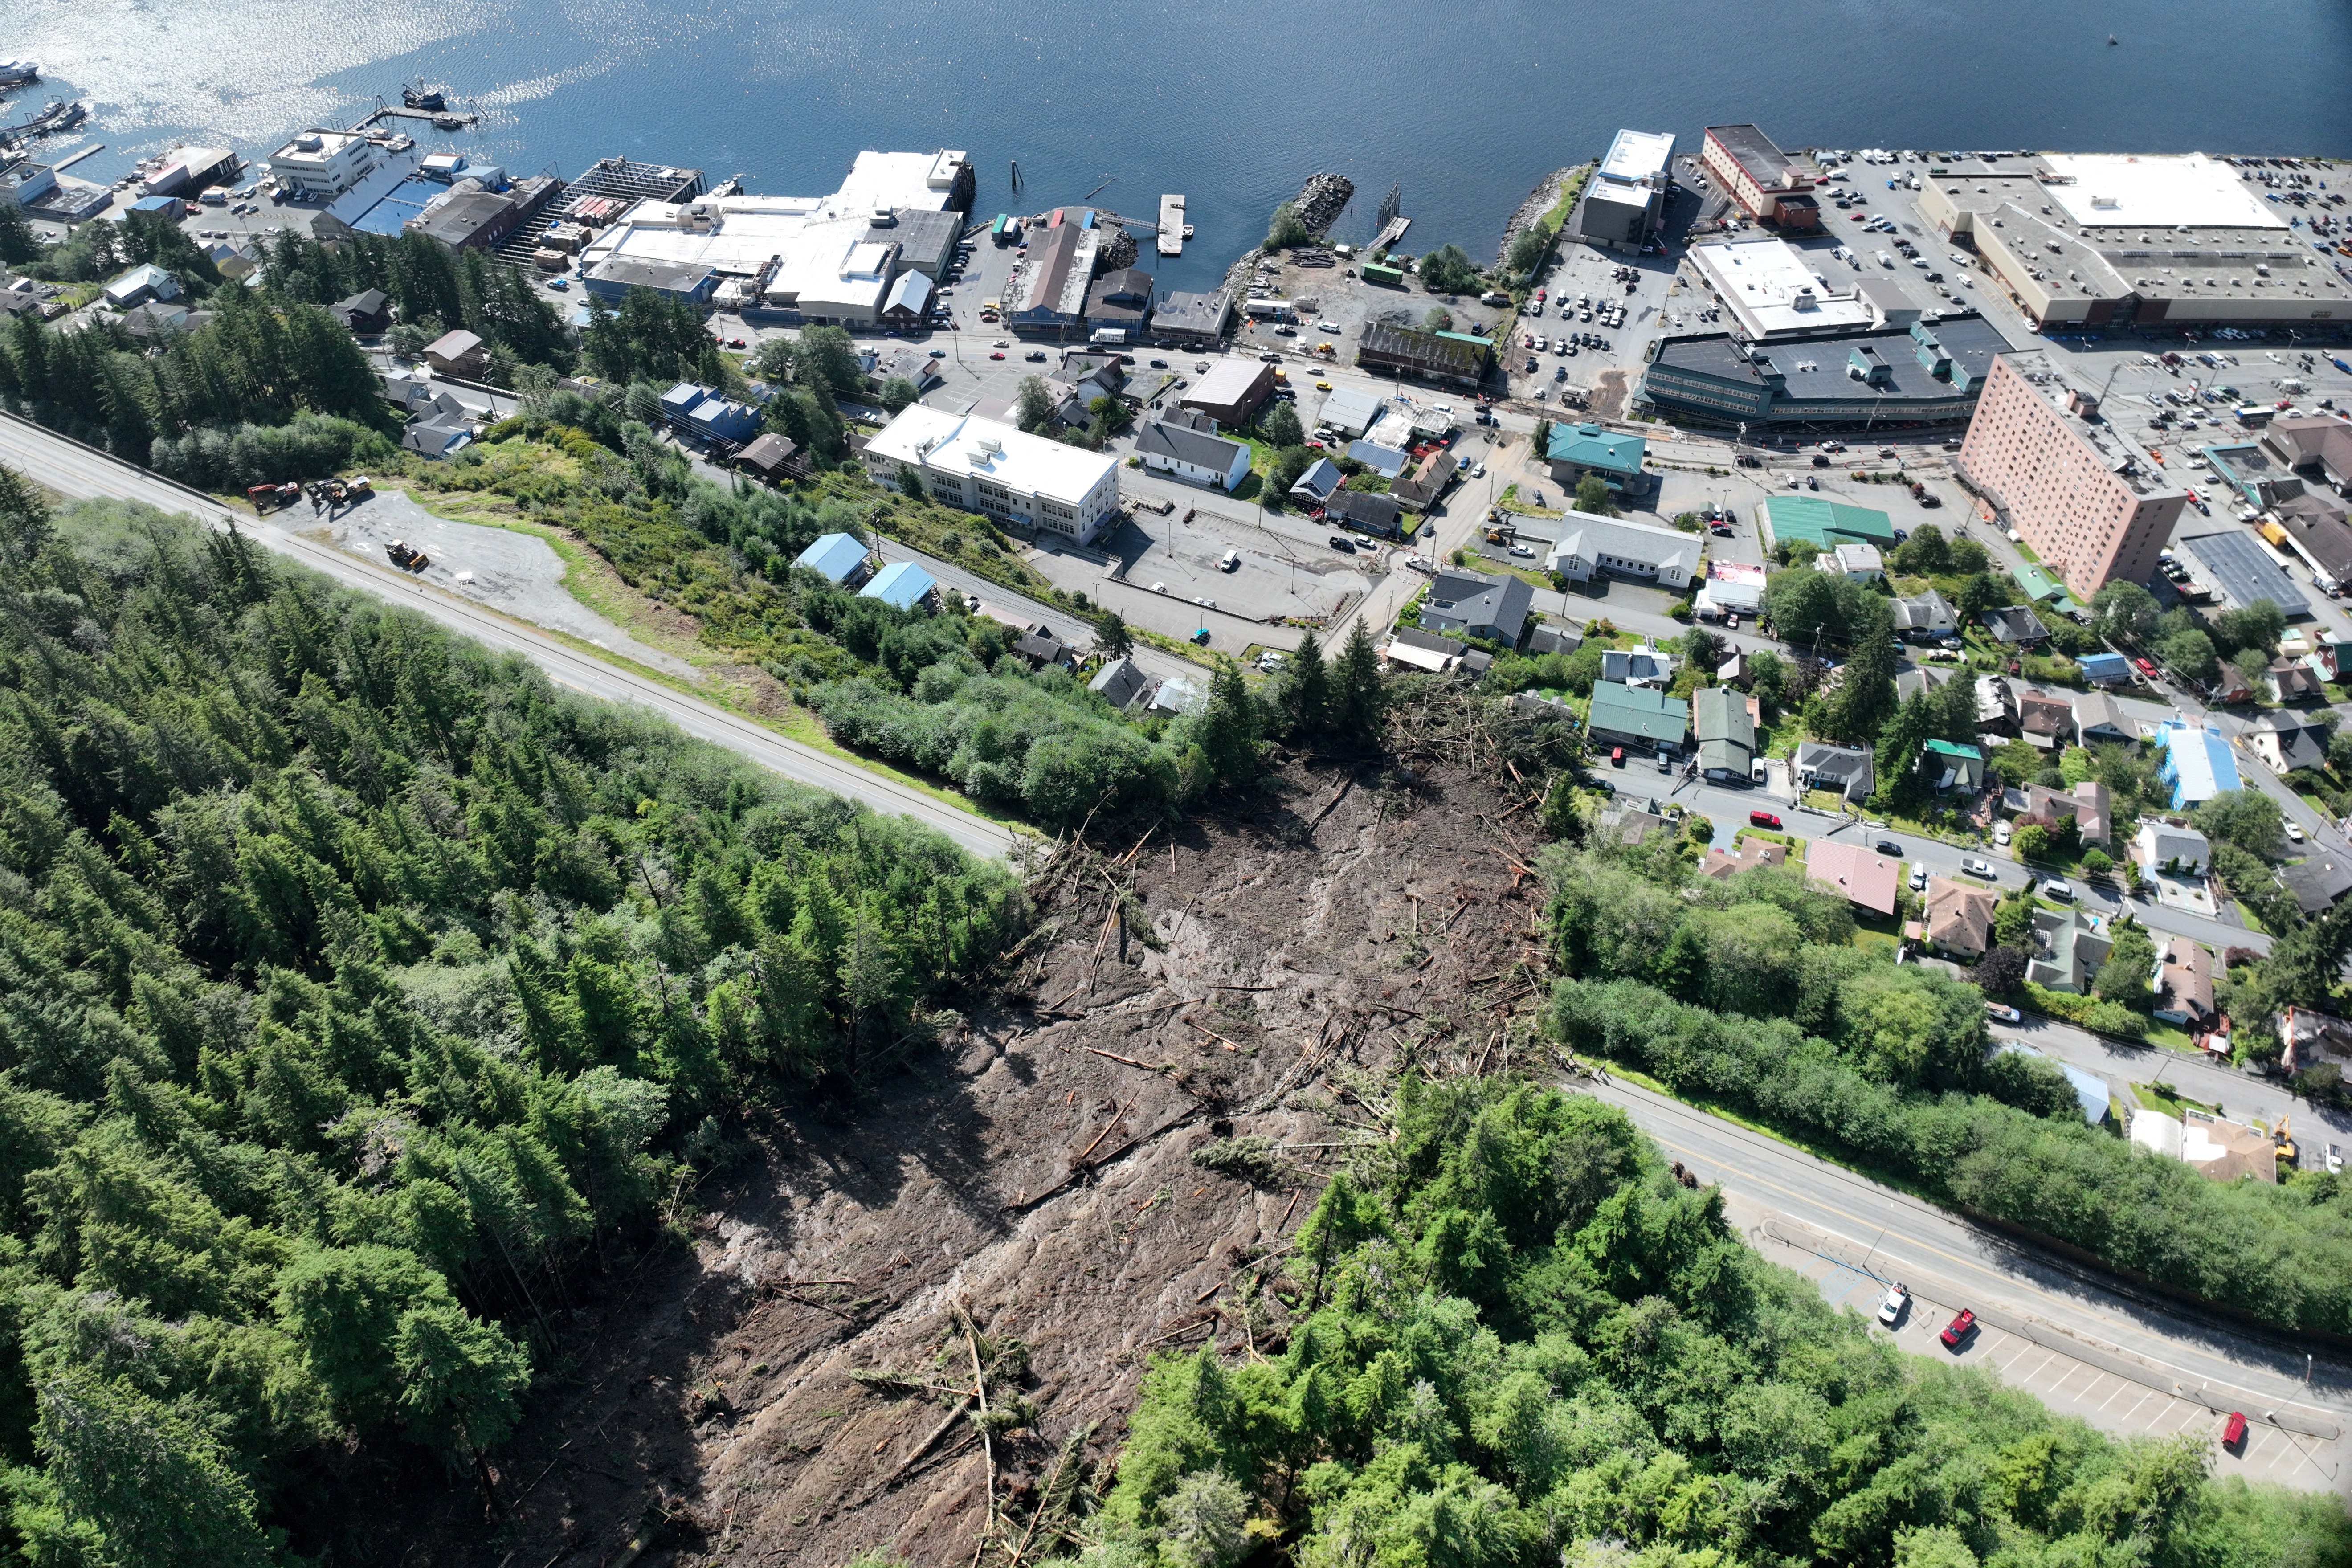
(1171, 226)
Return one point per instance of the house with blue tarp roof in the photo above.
(839, 557)
(902, 586)
(2197, 762)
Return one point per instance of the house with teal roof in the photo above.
(1948, 766)
(1576, 450)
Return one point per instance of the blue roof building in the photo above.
(1575, 451)
(702, 411)
(840, 557)
(2105, 669)
(2197, 762)
(902, 586)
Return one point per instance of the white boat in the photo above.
(14, 73)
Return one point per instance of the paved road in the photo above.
(73, 469)
(2241, 1094)
(1897, 1236)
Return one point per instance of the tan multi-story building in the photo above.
(2091, 504)
(1769, 185)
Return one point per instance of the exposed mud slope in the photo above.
(1045, 1180)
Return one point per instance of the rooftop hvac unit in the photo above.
(990, 444)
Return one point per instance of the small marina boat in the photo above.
(422, 95)
(16, 73)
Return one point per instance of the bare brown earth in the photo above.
(1036, 1171)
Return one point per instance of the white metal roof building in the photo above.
(1639, 157)
(1772, 291)
(993, 468)
(2136, 190)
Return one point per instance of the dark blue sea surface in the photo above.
(1464, 107)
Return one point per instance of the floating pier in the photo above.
(1171, 226)
(1390, 232)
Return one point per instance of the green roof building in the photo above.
(1726, 735)
(1948, 766)
(1575, 451)
(1825, 523)
(1636, 716)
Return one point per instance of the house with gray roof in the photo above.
(1322, 477)
(2099, 718)
(1477, 604)
(1726, 731)
(1848, 770)
(1372, 514)
(1926, 616)
(2068, 951)
(1588, 546)
(1121, 683)
(1198, 456)
(2016, 624)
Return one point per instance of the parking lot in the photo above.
(2143, 1404)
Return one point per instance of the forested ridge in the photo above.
(357, 992)
(1513, 1338)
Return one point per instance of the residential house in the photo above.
(2229, 686)
(1996, 705)
(1380, 516)
(2094, 813)
(1575, 451)
(771, 457)
(2285, 742)
(1420, 486)
(1637, 666)
(1959, 918)
(1553, 639)
(1948, 765)
(1637, 717)
(2197, 764)
(1867, 879)
(2317, 884)
(901, 585)
(1422, 651)
(2183, 983)
(707, 415)
(1198, 456)
(459, 353)
(1860, 562)
(2219, 1150)
(1321, 479)
(438, 436)
(1926, 616)
(841, 559)
(1176, 695)
(1623, 825)
(899, 362)
(155, 320)
(1038, 651)
(2105, 669)
(2291, 681)
(2016, 625)
(142, 284)
(2044, 720)
(2099, 719)
(365, 313)
(2068, 952)
(1478, 605)
(2164, 845)
(1722, 865)
(1726, 733)
(1846, 771)
(1121, 683)
(1920, 678)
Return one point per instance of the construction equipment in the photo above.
(406, 559)
(2284, 1142)
(270, 497)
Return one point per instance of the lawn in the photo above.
(2160, 1097)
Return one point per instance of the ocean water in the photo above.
(1463, 107)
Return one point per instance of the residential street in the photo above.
(73, 469)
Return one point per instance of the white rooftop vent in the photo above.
(2108, 203)
(990, 444)
(309, 142)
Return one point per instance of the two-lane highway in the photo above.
(71, 468)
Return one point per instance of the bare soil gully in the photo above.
(1038, 1174)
